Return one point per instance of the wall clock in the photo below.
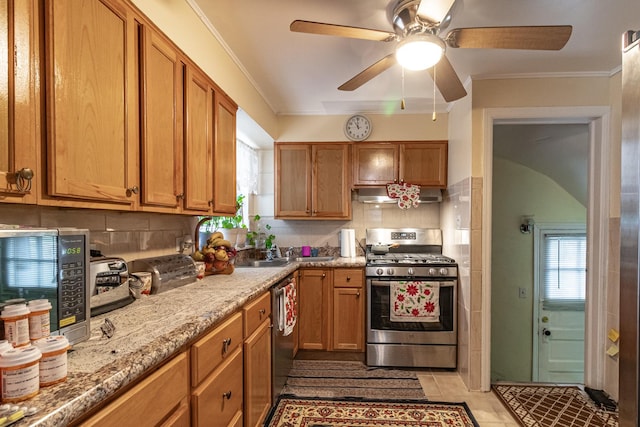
(357, 127)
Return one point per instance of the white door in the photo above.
(560, 317)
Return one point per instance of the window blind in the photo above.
(564, 271)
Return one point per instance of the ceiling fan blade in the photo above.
(341, 31)
(552, 37)
(447, 80)
(369, 73)
(434, 11)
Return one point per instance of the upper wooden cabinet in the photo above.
(224, 155)
(312, 181)
(92, 101)
(19, 116)
(161, 79)
(198, 141)
(422, 163)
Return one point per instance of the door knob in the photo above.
(546, 332)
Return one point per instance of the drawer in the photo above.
(216, 346)
(256, 312)
(151, 400)
(218, 400)
(348, 278)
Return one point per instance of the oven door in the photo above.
(381, 329)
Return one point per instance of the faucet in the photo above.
(289, 252)
(196, 240)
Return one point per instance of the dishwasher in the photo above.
(281, 344)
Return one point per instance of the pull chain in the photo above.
(402, 102)
(433, 116)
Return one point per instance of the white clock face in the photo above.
(357, 128)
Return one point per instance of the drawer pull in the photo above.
(262, 312)
(227, 395)
(348, 278)
(226, 343)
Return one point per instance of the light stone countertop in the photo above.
(147, 332)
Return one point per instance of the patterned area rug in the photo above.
(330, 378)
(547, 406)
(306, 412)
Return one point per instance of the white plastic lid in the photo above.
(39, 305)
(4, 346)
(14, 310)
(52, 343)
(19, 356)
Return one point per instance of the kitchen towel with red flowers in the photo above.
(287, 312)
(408, 195)
(415, 301)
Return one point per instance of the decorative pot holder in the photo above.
(407, 194)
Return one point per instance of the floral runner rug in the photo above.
(293, 411)
(553, 406)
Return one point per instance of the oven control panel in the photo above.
(403, 235)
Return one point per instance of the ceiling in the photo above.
(299, 73)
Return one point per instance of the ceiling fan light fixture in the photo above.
(420, 51)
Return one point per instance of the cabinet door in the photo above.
(161, 142)
(199, 141)
(257, 375)
(224, 156)
(155, 398)
(424, 163)
(331, 181)
(313, 305)
(348, 319)
(375, 164)
(92, 102)
(19, 116)
(293, 180)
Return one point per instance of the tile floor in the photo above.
(446, 386)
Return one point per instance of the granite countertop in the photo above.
(147, 332)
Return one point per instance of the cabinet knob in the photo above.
(132, 190)
(227, 395)
(21, 179)
(180, 196)
(210, 202)
(324, 275)
(348, 278)
(226, 343)
(358, 294)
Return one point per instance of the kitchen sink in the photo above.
(278, 262)
(315, 258)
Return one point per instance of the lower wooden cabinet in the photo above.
(160, 399)
(313, 309)
(331, 309)
(348, 307)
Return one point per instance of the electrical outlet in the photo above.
(522, 292)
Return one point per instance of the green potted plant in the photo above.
(260, 237)
(233, 227)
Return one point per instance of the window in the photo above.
(563, 264)
(247, 174)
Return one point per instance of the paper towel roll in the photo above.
(347, 243)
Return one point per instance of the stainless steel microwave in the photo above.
(48, 263)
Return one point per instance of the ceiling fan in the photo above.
(418, 28)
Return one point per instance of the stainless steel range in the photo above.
(412, 294)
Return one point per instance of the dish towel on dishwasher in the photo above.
(287, 309)
(415, 301)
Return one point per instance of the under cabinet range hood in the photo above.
(379, 195)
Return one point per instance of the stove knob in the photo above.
(444, 271)
(410, 271)
(432, 272)
(379, 271)
(390, 271)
